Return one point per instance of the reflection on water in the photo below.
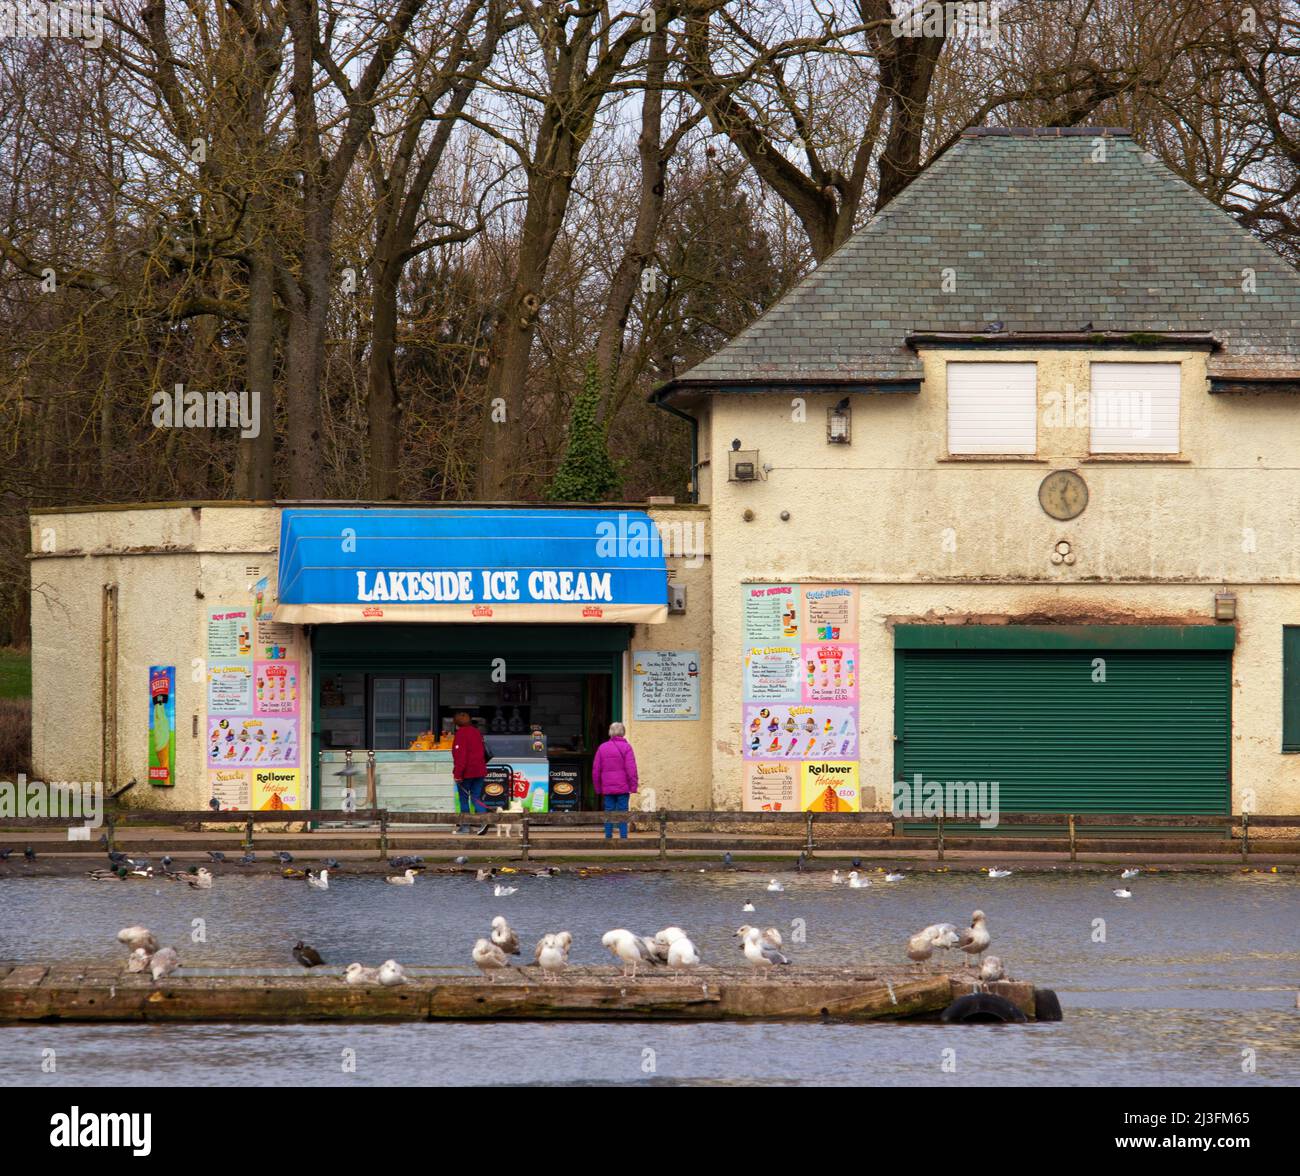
(1169, 987)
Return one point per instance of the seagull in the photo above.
(499, 891)
(1130, 873)
(358, 974)
(489, 958)
(775, 886)
(306, 955)
(391, 973)
(629, 948)
(769, 935)
(213, 854)
(664, 940)
(406, 879)
(920, 947)
(992, 970)
(1122, 893)
(486, 875)
(164, 963)
(856, 882)
(504, 937)
(200, 879)
(759, 952)
(943, 935)
(319, 881)
(836, 878)
(975, 939)
(552, 955)
(682, 954)
(894, 876)
(999, 873)
(748, 908)
(138, 960)
(138, 937)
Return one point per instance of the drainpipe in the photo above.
(695, 444)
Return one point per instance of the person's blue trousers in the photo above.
(470, 793)
(615, 802)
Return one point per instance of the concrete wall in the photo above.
(170, 565)
(931, 538)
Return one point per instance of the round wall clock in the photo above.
(1063, 494)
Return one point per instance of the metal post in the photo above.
(663, 835)
(1245, 836)
(941, 836)
(1073, 847)
(523, 843)
(383, 833)
(248, 834)
(808, 841)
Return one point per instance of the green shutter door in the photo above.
(1154, 737)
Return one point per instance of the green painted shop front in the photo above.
(1079, 719)
(504, 661)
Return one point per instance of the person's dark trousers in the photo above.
(470, 793)
(616, 802)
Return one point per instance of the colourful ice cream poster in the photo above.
(771, 788)
(162, 726)
(276, 688)
(830, 787)
(231, 788)
(830, 672)
(770, 613)
(230, 688)
(800, 731)
(772, 673)
(252, 742)
(830, 612)
(276, 788)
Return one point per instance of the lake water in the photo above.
(1194, 973)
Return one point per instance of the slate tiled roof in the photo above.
(1041, 238)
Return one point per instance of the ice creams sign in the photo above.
(467, 587)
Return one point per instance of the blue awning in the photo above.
(455, 565)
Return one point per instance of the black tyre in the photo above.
(1047, 1005)
(982, 1007)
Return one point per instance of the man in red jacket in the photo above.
(469, 768)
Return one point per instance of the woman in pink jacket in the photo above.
(613, 775)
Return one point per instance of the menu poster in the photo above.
(276, 788)
(230, 688)
(812, 731)
(231, 788)
(830, 672)
(665, 684)
(230, 633)
(235, 742)
(829, 787)
(274, 641)
(770, 613)
(772, 673)
(830, 612)
(277, 688)
(262, 603)
(771, 788)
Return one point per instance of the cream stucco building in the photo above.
(1007, 491)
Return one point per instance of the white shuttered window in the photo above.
(992, 408)
(1134, 407)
